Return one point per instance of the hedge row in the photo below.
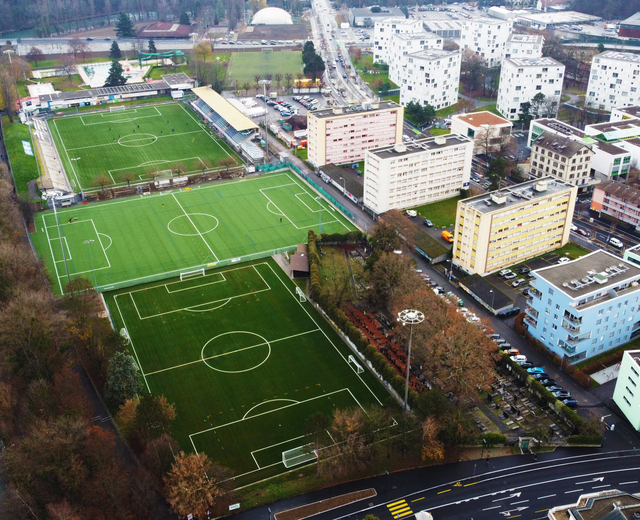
(593, 439)
(351, 237)
(608, 361)
(378, 361)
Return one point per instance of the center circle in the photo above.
(137, 140)
(235, 352)
(203, 222)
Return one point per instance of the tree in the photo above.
(465, 105)
(8, 92)
(154, 416)
(308, 51)
(115, 53)
(350, 451)
(116, 75)
(432, 448)
(315, 431)
(420, 115)
(124, 26)
(526, 115)
(246, 86)
(122, 379)
(472, 68)
(194, 485)
(68, 65)
(288, 81)
(202, 50)
(160, 455)
(536, 105)
(392, 276)
(226, 162)
(404, 226)
(496, 172)
(315, 67)
(256, 81)
(152, 46)
(35, 55)
(184, 18)
(278, 78)
(601, 48)
(405, 11)
(385, 238)
(219, 12)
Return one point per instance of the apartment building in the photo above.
(488, 131)
(417, 172)
(524, 46)
(427, 77)
(614, 81)
(627, 392)
(496, 230)
(562, 157)
(383, 31)
(521, 79)
(402, 44)
(342, 134)
(552, 126)
(623, 113)
(586, 306)
(487, 38)
(618, 200)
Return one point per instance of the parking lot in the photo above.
(288, 102)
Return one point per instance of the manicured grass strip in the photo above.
(24, 166)
(244, 66)
(441, 213)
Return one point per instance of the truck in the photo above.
(273, 95)
(447, 236)
(344, 25)
(610, 27)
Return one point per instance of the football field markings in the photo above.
(195, 227)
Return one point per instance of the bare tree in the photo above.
(226, 162)
(246, 86)
(465, 105)
(68, 65)
(35, 55)
(102, 180)
(8, 92)
(278, 78)
(288, 81)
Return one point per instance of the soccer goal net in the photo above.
(165, 174)
(301, 295)
(297, 456)
(355, 365)
(117, 109)
(191, 274)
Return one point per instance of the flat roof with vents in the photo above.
(419, 145)
(597, 272)
(479, 119)
(530, 190)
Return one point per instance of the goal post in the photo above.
(119, 108)
(355, 365)
(191, 274)
(301, 295)
(297, 456)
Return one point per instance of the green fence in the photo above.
(329, 197)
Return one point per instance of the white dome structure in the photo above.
(272, 16)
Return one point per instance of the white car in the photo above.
(411, 213)
(563, 260)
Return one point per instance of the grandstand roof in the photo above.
(225, 109)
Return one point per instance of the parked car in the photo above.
(554, 388)
(571, 403)
(548, 382)
(563, 260)
(526, 365)
(527, 292)
(524, 270)
(616, 242)
(583, 232)
(505, 272)
(505, 346)
(536, 370)
(540, 376)
(508, 312)
(510, 276)
(518, 283)
(411, 213)
(513, 352)
(427, 222)
(562, 394)
(493, 336)
(519, 359)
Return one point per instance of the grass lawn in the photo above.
(243, 360)
(366, 62)
(447, 111)
(632, 345)
(245, 65)
(395, 99)
(158, 72)
(303, 154)
(439, 131)
(138, 240)
(93, 108)
(24, 166)
(441, 213)
(62, 82)
(489, 108)
(136, 142)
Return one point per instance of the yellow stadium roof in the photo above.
(228, 112)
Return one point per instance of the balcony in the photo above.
(571, 328)
(569, 349)
(571, 318)
(532, 312)
(574, 340)
(530, 321)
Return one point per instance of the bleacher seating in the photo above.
(225, 128)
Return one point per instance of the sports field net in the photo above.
(191, 274)
(297, 456)
(355, 365)
(117, 109)
(301, 295)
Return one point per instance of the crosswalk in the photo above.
(400, 509)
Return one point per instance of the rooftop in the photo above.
(400, 20)
(620, 191)
(165, 30)
(177, 79)
(443, 25)
(609, 148)
(525, 38)
(560, 144)
(620, 56)
(229, 113)
(385, 12)
(478, 119)
(534, 62)
(354, 110)
(105, 91)
(497, 201)
(613, 131)
(556, 18)
(632, 111)
(560, 127)
(598, 272)
(419, 145)
(433, 54)
(487, 21)
(417, 36)
(615, 505)
(635, 357)
(633, 20)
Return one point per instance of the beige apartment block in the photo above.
(562, 157)
(343, 134)
(498, 229)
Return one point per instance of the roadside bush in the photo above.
(493, 439)
(592, 439)
(519, 325)
(606, 362)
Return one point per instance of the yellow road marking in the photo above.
(421, 498)
(542, 510)
(396, 503)
(472, 484)
(445, 491)
(401, 510)
(514, 516)
(404, 514)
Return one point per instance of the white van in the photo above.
(519, 359)
(411, 213)
(616, 242)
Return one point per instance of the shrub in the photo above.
(519, 325)
(493, 439)
(592, 439)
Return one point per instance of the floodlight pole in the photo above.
(344, 187)
(89, 242)
(493, 298)
(412, 317)
(264, 83)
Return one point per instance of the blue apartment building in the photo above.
(584, 307)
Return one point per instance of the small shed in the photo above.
(299, 265)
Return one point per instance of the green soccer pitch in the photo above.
(135, 144)
(245, 361)
(243, 66)
(150, 237)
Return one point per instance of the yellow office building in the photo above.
(498, 229)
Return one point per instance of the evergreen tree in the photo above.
(124, 26)
(184, 18)
(152, 46)
(219, 12)
(122, 377)
(116, 75)
(115, 53)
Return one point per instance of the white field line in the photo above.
(205, 131)
(55, 124)
(169, 291)
(135, 353)
(53, 258)
(116, 143)
(104, 251)
(194, 227)
(291, 221)
(324, 333)
(273, 446)
(66, 245)
(200, 360)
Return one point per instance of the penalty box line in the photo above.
(232, 352)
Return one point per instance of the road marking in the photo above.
(546, 496)
(512, 495)
(573, 491)
(597, 487)
(490, 508)
(445, 491)
(630, 482)
(542, 510)
(472, 484)
(597, 479)
(417, 499)
(514, 516)
(399, 509)
(521, 502)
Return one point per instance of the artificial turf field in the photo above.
(136, 240)
(136, 142)
(243, 66)
(243, 359)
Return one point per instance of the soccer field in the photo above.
(244, 66)
(244, 360)
(140, 239)
(135, 144)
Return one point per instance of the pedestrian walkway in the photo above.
(606, 374)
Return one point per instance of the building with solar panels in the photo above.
(236, 128)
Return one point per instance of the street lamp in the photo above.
(344, 188)
(89, 242)
(264, 83)
(412, 317)
(493, 298)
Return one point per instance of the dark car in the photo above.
(524, 270)
(508, 312)
(571, 403)
(540, 376)
(526, 365)
(427, 222)
(527, 292)
(554, 388)
(562, 394)
(548, 382)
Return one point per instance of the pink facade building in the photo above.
(343, 135)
